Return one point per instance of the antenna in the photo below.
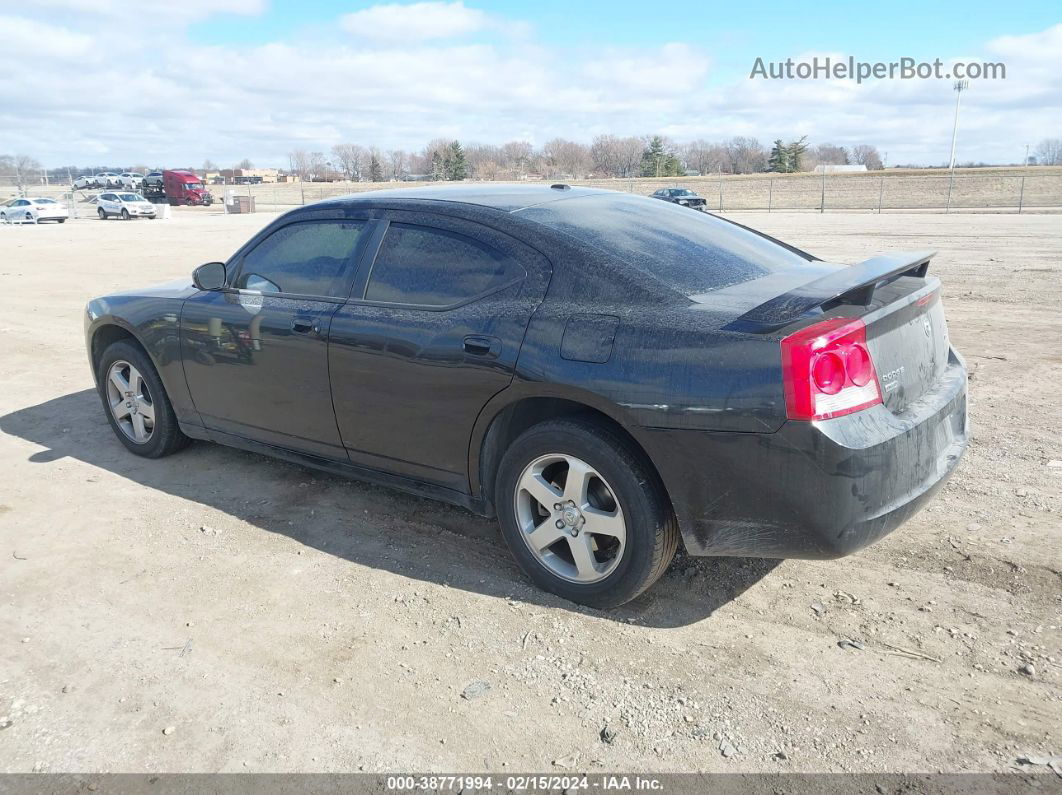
(960, 86)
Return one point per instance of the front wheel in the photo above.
(125, 214)
(583, 513)
(135, 402)
(101, 213)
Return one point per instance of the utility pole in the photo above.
(1026, 155)
(960, 86)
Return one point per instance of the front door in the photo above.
(431, 333)
(256, 354)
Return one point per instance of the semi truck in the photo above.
(177, 187)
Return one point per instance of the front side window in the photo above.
(432, 267)
(307, 258)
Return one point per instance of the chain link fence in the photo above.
(1026, 190)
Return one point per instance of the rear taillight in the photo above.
(827, 370)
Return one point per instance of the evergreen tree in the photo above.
(456, 165)
(654, 158)
(779, 158)
(436, 167)
(796, 150)
(375, 172)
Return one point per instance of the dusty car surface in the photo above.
(605, 373)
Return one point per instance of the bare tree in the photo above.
(397, 160)
(605, 155)
(828, 154)
(318, 166)
(745, 155)
(27, 170)
(1049, 152)
(209, 165)
(245, 165)
(566, 158)
(867, 155)
(351, 160)
(516, 157)
(299, 163)
(704, 156)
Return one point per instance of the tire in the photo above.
(61, 220)
(626, 490)
(164, 437)
(100, 212)
(125, 214)
(3, 218)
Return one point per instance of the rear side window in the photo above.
(691, 252)
(307, 258)
(433, 267)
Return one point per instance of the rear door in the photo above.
(432, 331)
(256, 354)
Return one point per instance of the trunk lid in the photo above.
(908, 341)
(906, 333)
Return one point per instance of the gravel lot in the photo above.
(219, 611)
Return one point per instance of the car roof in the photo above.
(507, 197)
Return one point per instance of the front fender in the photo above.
(154, 322)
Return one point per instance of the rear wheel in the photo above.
(583, 514)
(136, 403)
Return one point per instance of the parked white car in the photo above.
(108, 179)
(32, 210)
(131, 180)
(87, 181)
(124, 206)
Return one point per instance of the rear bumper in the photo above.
(813, 489)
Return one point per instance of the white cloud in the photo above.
(413, 78)
(27, 37)
(173, 11)
(397, 22)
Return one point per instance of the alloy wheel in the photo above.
(569, 518)
(130, 401)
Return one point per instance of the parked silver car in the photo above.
(32, 210)
(124, 206)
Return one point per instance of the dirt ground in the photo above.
(219, 611)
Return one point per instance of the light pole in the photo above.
(960, 86)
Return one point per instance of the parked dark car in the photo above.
(683, 196)
(602, 372)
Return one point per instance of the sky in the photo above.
(172, 82)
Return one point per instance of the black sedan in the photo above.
(682, 196)
(604, 373)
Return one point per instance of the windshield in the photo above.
(193, 185)
(44, 201)
(131, 197)
(691, 252)
(682, 192)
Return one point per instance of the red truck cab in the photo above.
(184, 187)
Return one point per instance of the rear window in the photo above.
(688, 250)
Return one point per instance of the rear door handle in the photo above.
(482, 346)
(303, 325)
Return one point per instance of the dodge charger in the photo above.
(607, 374)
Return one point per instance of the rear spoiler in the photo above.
(852, 285)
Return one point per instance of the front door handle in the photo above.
(303, 325)
(482, 346)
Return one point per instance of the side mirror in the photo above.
(210, 276)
